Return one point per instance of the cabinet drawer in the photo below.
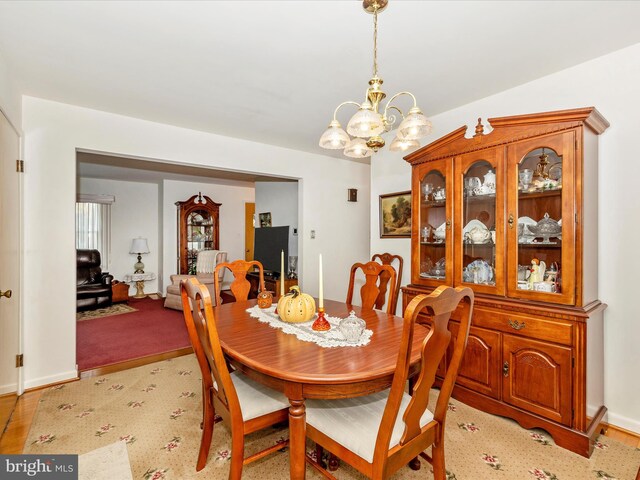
(557, 331)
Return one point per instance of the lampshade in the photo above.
(357, 148)
(139, 245)
(402, 145)
(415, 125)
(334, 137)
(365, 123)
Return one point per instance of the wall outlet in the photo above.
(313, 234)
(295, 231)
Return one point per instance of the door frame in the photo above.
(18, 288)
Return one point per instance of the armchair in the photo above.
(93, 286)
(205, 266)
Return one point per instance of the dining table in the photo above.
(303, 369)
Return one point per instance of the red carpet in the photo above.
(152, 329)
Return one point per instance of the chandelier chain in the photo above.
(375, 40)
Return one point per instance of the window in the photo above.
(93, 224)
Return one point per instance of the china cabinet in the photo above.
(513, 214)
(198, 229)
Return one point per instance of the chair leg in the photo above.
(415, 464)
(237, 455)
(208, 414)
(437, 455)
(319, 455)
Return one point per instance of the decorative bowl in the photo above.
(352, 327)
(546, 228)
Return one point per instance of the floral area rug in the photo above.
(157, 409)
(115, 309)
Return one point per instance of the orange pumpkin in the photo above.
(296, 307)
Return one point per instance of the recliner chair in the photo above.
(93, 287)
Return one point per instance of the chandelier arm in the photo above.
(390, 120)
(348, 102)
(388, 105)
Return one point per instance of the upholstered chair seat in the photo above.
(354, 422)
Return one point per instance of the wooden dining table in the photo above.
(302, 369)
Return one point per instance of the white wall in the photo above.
(134, 214)
(232, 196)
(281, 199)
(53, 132)
(609, 83)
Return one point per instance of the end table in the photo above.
(139, 278)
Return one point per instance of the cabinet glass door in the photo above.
(479, 244)
(200, 233)
(541, 220)
(433, 190)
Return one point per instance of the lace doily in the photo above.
(304, 332)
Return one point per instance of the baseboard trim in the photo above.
(43, 382)
(625, 424)
(52, 384)
(136, 362)
(607, 426)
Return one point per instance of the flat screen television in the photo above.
(268, 243)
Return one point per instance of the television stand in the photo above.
(271, 283)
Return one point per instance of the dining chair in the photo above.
(246, 406)
(240, 287)
(373, 286)
(387, 259)
(379, 433)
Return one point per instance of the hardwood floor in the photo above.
(14, 436)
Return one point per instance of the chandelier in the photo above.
(362, 137)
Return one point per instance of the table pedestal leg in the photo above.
(297, 439)
(139, 289)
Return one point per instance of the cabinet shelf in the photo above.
(480, 198)
(540, 245)
(434, 203)
(556, 192)
(434, 244)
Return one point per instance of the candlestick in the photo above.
(320, 293)
(282, 273)
(321, 324)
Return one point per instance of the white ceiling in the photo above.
(273, 71)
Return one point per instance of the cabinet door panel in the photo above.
(541, 219)
(537, 377)
(431, 229)
(479, 221)
(480, 367)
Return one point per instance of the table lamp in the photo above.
(139, 246)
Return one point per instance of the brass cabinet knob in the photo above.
(505, 369)
(511, 220)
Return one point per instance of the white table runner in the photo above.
(304, 332)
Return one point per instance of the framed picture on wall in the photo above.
(265, 219)
(395, 215)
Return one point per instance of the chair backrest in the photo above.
(204, 338)
(207, 261)
(240, 287)
(88, 266)
(387, 259)
(435, 311)
(370, 291)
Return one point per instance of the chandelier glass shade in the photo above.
(370, 121)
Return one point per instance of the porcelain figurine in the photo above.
(538, 268)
